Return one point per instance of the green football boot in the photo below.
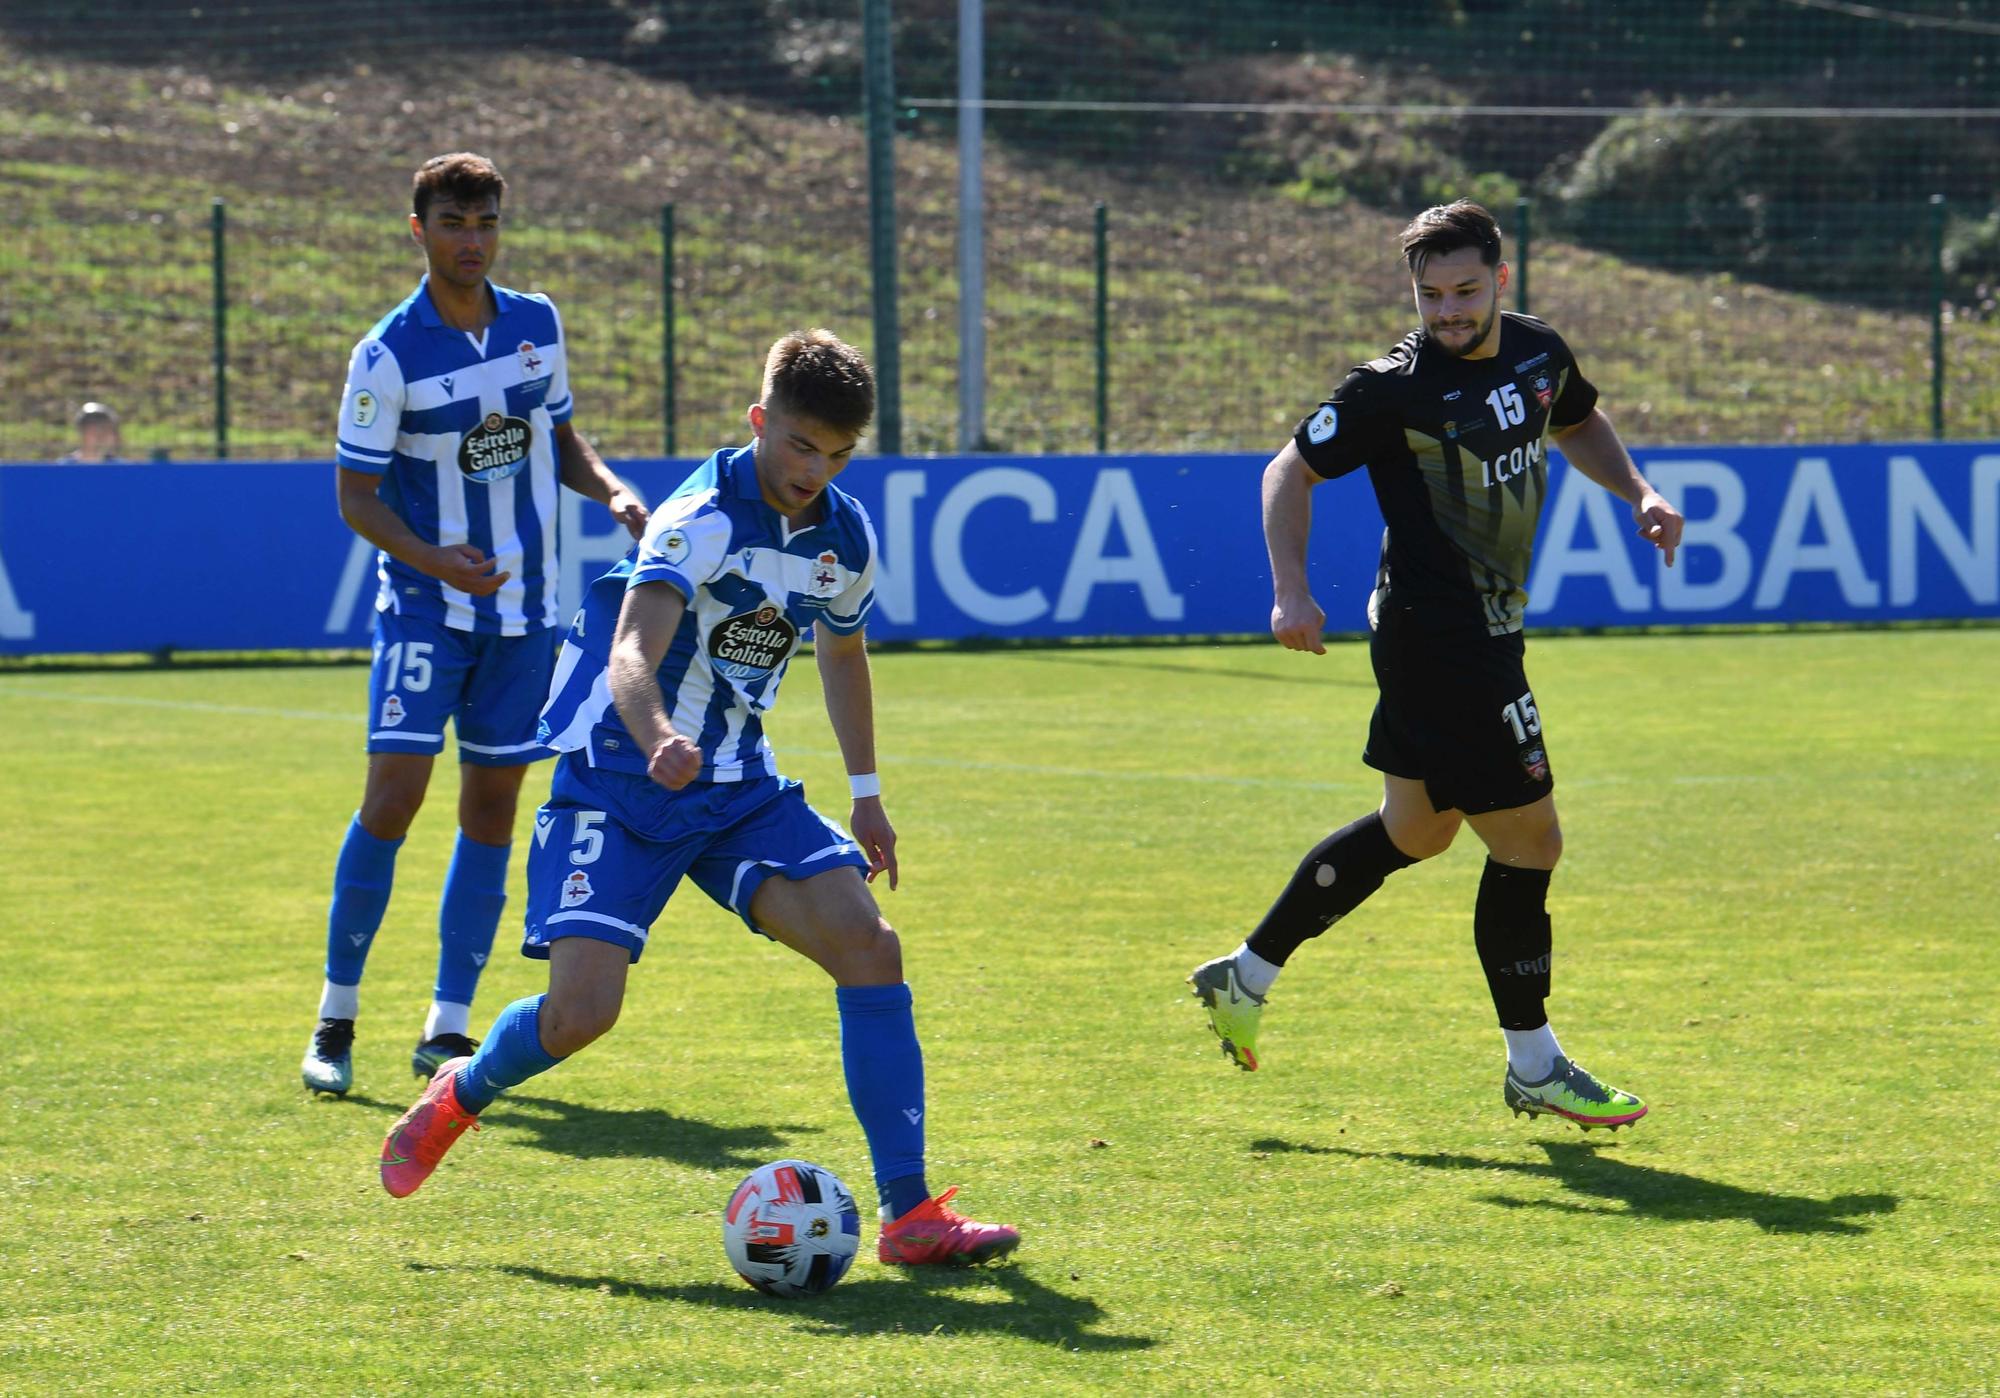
(1570, 1091)
(1233, 1012)
(329, 1062)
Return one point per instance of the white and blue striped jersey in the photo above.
(752, 584)
(461, 428)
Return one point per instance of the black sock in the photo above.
(1332, 882)
(1510, 929)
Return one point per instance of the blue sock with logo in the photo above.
(511, 1054)
(885, 1082)
(475, 890)
(362, 877)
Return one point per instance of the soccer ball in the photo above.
(791, 1228)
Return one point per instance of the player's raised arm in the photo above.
(647, 620)
(850, 708)
(1296, 619)
(1594, 448)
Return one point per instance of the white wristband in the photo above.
(866, 784)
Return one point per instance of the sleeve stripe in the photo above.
(348, 448)
(660, 573)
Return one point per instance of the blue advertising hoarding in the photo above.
(253, 555)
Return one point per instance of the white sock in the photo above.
(1255, 973)
(340, 1001)
(1531, 1053)
(447, 1018)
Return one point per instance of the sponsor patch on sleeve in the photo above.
(1324, 424)
(674, 546)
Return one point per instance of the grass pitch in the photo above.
(1776, 921)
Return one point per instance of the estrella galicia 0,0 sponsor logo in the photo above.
(496, 449)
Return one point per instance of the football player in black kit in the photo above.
(1452, 426)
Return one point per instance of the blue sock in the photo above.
(511, 1054)
(885, 1082)
(475, 890)
(362, 877)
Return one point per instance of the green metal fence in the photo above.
(220, 329)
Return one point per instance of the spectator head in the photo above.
(97, 434)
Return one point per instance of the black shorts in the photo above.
(1458, 716)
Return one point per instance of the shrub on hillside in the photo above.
(1829, 205)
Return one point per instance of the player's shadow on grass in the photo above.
(600, 1133)
(1645, 1190)
(921, 1301)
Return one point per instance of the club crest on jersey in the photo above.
(750, 645)
(1544, 390)
(825, 581)
(576, 889)
(392, 712)
(496, 449)
(1323, 425)
(531, 363)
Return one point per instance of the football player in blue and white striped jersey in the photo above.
(657, 708)
(454, 437)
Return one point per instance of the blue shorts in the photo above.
(610, 847)
(491, 687)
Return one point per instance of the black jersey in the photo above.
(1456, 451)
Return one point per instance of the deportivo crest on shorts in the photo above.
(392, 712)
(576, 889)
(750, 645)
(496, 449)
(1536, 763)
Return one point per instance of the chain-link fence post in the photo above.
(880, 99)
(1521, 239)
(667, 327)
(217, 226)
(1938, 210)
(1102, 240)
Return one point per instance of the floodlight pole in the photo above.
(971, 226)
(880, 96)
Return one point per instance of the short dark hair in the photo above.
(814, 373)
(461, 177)
(1445, 228)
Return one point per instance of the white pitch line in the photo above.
(955, 763)
(185, 705)
(962, 764)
